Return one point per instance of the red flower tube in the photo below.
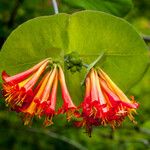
(119, 105)
(49, 111)
(20, 87)
(104, 103)
(31, 110)
(68, 107)
(44, 100)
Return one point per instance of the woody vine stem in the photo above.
(55, 6)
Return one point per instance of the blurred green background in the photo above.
(15, 136)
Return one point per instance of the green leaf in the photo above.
(116, 7)
(33, 41)
(89, 33)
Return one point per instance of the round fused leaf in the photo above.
(90, 33)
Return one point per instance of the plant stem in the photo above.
(85, 65)
(146, 38)
(55, 6)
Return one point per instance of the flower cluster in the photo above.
(104, 103)
(33, 92)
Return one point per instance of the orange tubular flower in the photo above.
(119, 105)
(49, 110)
(18, 89)
(44, 101)
(33, 95)
(104, 103)
(34, 92)
(31, 110)
(68, 107)
(40, 102)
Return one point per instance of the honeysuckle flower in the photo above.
(41, 101)
(44, 101)
(31, 110)
(118, 101)
(49, 111)
(21, 76)
(104, 103)
(34, 93)
(68, 106)
(18, 89)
